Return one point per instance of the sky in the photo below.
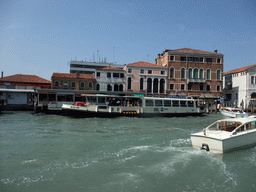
(40, 37)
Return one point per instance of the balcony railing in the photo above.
(195, 80)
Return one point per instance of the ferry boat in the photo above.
(114, 106)
(233, 112)
(226, 135)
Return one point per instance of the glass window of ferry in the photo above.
(43, 97)
(175, 103)
(158, 103)
(51, 97)
(69, 98)
(149, 102)
(190, 103)
(61, 98)
(101, 100)
(91, 99)
(167, 103)
(183, 103)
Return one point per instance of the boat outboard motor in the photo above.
(205, 147)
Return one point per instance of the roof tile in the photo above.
(25, 79)
(239, 69)
(73, 75)
(144, 64)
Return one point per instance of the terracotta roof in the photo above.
(188, 50)
(144, 64)
(25, 79)
(239, 69)
(73, 75)
(110, 68)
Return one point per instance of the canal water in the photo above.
(50, 153)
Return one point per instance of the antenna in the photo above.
(113, 55)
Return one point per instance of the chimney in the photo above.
(215, 51)
(2, 75)
(77, 74)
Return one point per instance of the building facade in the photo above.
(110, 79)
(73, 81)
(193, 72)
(89, 67)
(240, 86)
(146, 78)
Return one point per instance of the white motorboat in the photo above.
(233, 112)
(226, 135)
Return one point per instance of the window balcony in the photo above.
(195, 80)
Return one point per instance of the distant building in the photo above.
(20, 81)
(193, 72)
(73, 81)
(18, 90)
(240, 86)
(110, 79)
(89, 67)
(146, 78)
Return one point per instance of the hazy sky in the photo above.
(39, 37)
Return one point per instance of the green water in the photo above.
(53, 153)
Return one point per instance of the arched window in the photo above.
(115, 87)
(129, 83)
(155, 86)
(182, 73)
(190, 73)
(218, 74)
(109, 87)
(195, 73)
(201, 74)
(172, 72)
(162, 85)
(149, 85)
(98, 87)
(208, 74)
(141, 83)
(121, 87)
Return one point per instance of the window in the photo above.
(190, 59)
(73, 84)
(98, 87)
(183, 103)
(190, 73)
(171, 86)
(149, 71)
(196, 59)
(56, 83)
(121, 75)
(201, 59)
(208, 74)
(182, 75)
(201, 74)
(82, 84)
(90, 85)
(115, 87)
(218, 60)
(142, 71)
(141, 83)
(218, 88)
(149, 102)
(182, 87)
(129, 84)
(183, 59)
(209, 60)
(201, 87)
(108, 75)
(171, 72)
(208, 88)
(175, 103)
(98, 74)
(65, 84)
(167, 103)
(195, 73)
(162, 72)
(190, 86)
(171, 58)
(158, 103)
(109, 87)
(129, 70)
(252, 79)
(190, 104)
(218, 74)
(116, 75)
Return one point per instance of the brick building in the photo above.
(73, 81)
(146, 78)
(193, 72)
